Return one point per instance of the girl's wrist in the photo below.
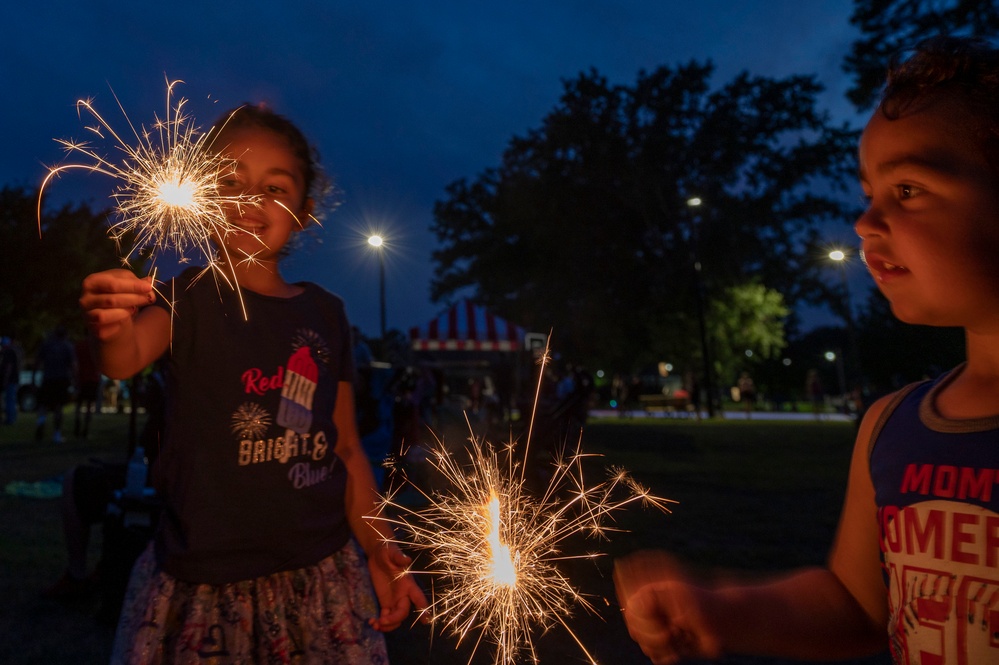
(374, 541)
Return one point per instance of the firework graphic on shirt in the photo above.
(250, 421)
(297, 393)
(310, 338)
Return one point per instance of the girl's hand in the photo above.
(396, 589)
(112, 297)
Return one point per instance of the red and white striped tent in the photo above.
(467, 327)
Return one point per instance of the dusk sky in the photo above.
(401, 98)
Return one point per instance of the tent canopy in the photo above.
(467, 327)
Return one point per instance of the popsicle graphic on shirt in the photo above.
(297, 393)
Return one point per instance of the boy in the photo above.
(921, 519)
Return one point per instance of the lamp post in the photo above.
(378, 243)
(694, 202)
(839, 256)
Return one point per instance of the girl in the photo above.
(263, 478)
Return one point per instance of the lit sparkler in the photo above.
(169, 192)
(495, 546)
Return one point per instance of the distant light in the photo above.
(749, 353)
(669, 367)
(837, 255)
(694, 201)
(600, 374)
(613, 403)
(830, 356)
(786, 362)
(375, 241)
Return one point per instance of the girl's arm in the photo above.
(129, 335)
(396, 589)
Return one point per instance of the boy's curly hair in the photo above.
(964, 67)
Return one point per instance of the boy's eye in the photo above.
(907, 191)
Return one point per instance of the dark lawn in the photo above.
(752, 495)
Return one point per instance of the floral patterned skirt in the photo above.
(317, 614)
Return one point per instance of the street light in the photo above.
(693, 203)
(378, 243)
(840, 256)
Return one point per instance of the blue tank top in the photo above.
(936, 484)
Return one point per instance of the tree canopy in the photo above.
(890, 26)
(41, 274)
(586, 227)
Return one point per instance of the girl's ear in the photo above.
(305, 216)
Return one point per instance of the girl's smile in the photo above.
(267, 169)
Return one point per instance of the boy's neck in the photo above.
(974, 393)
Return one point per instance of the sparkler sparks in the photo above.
(495, 546)
(169, 193)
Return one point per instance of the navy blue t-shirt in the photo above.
(247, 470)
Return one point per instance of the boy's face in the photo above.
(265, 167)
(931, 230)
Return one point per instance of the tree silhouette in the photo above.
(41, 273)
(586, 226)
(889, 26)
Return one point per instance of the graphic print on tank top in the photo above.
(936, 485)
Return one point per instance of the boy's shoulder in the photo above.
(882, 409)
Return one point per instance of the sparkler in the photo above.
(170, 192)
(495, 546)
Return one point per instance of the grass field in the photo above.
(751, 495)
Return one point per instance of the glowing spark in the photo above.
(494, 546)
(177, 194)
(170, 192)
(502, 570)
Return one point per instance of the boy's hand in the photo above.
(112, 297)
(664, 613)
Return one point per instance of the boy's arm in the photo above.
(833, 612)
(128, 334)
(855, 557)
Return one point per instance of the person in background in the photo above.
(88, 388)
(89, 488)
(57, 363)
(747, 392)
(10, 379)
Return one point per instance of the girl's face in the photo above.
(266, 168)
(931, 229)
